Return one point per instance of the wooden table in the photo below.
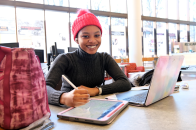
(176, 112)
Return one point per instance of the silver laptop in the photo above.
(162, 84)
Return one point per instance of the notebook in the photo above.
(162, 84)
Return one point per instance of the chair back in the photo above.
(126, 60)
(130, 66)
(147, 59)
(152, 59)
(118, 60)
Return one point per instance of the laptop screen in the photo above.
(164, 78)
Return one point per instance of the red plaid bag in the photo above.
(23, 95)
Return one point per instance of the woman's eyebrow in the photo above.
(85, 33)
(98, 32)
(89, 33)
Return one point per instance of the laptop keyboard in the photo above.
(138, 98)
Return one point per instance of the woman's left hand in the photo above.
(91, 91)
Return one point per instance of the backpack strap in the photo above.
(5, 51)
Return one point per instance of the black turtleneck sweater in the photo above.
(82, 68)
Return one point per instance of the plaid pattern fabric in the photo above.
(28, 95)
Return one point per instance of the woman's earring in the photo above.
(76, 39)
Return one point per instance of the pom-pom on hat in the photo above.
(84, 18)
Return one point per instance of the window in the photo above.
(173, 9)
(30, 27)
(172, 36)
(102, 5)
(32, 1)
(7, 24)
(180, 17)
(192, 33)
(57, 30)
(24, 23)
(161, 8)
(72, 18)
(118, 29)
(148, 7)
(118, 22)
(183, 33)
(161, 38)
(119, 6)
(192, 10)
(105, 42)
(183, 9)
(57, 2)
(80, 4)
(148, 38)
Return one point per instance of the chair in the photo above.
(107, 76)
(126, 60)
(132, 67)
(153, 60)
(118, 60)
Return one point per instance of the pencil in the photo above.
(69, 82)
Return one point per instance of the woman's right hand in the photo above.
(74, 98)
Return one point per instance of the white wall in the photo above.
(134, 31)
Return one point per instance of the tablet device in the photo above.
(97, 111)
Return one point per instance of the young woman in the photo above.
(85, 67)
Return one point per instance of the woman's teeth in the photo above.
(91, 46)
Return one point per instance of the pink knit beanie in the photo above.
(84, 18)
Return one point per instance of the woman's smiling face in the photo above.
(89, 39)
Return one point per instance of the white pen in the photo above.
(69, 82)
